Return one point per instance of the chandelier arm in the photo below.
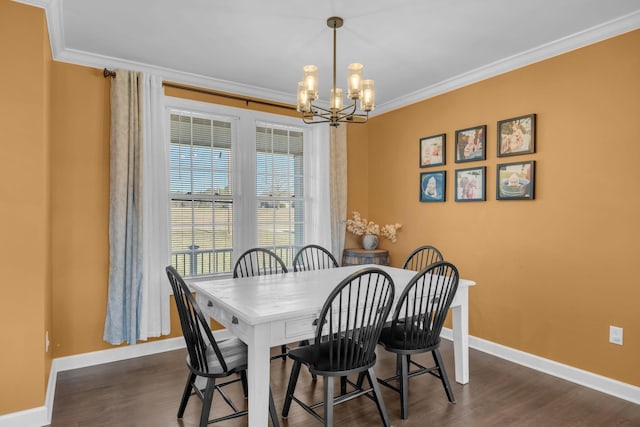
(357, 119)
(365, 116)
(326, 115)
(317, 107)
(313, 121)
(351, 107)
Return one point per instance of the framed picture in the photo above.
(432, 186)
(432, 150)
(470, 184)
(470, 144)
(515, 181)
(517, 136)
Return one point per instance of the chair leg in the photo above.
(404, 385)
(373, 382)
(186, 394)
(437, 358)
(302, 344)
(343, 385)
(283, 349)
(328, 401)
(360, 381)
(293, 381)
(272, 411)
(207, 400)
(245, 384)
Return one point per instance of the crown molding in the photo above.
(36, 3)
(566, 44)
(101, 61)
(615, 27)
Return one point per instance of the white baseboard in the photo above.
(115, 354)
(37, 417)
(594, 381)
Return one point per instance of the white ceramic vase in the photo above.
(369, 241)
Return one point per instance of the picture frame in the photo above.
(432, 150)
(515, 181)
(433, 186)
(471, 144)
(470, 184)
(517, 136)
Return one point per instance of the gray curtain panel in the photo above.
(125, 210)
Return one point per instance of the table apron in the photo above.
(281, 331)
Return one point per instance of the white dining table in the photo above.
(268, 311)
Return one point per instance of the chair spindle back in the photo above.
(313, 257)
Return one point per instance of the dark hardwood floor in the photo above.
(146, 391)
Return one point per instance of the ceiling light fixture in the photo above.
(357, 89)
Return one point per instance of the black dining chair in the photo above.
(347, 331)
(261, 262)
(208, 358)
(415, 328)
(313, 257)
(422, 257)
(258, 262)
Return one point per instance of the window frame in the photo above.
(213, 198)
(243, 146)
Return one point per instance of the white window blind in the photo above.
(280, 190)
(201, 193)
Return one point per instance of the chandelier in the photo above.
(357, 89)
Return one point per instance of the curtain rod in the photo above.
(110, 73)
(227, 95)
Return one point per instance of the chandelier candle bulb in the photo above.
(304, 104)
(336, 99)
(355, 77)
(367, 102)
(311, 81)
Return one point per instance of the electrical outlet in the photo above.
(46, 341)
(615, 335)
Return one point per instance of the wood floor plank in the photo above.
(145, 392)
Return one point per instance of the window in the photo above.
(241, 179)
(280, 190)
(201, 206)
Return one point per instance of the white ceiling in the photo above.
(413, 49)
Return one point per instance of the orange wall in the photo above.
(24, 206)
(552, 273)
(547, 282)
(80, 207)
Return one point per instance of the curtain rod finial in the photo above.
(108, 73)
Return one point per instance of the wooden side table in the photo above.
(354, 256)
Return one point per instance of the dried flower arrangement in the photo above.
(361, 226)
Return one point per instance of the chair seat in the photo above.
(234, 352)
(396, 340)
(320, 360)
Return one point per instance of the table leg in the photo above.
(460, 320)
(258, 376)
